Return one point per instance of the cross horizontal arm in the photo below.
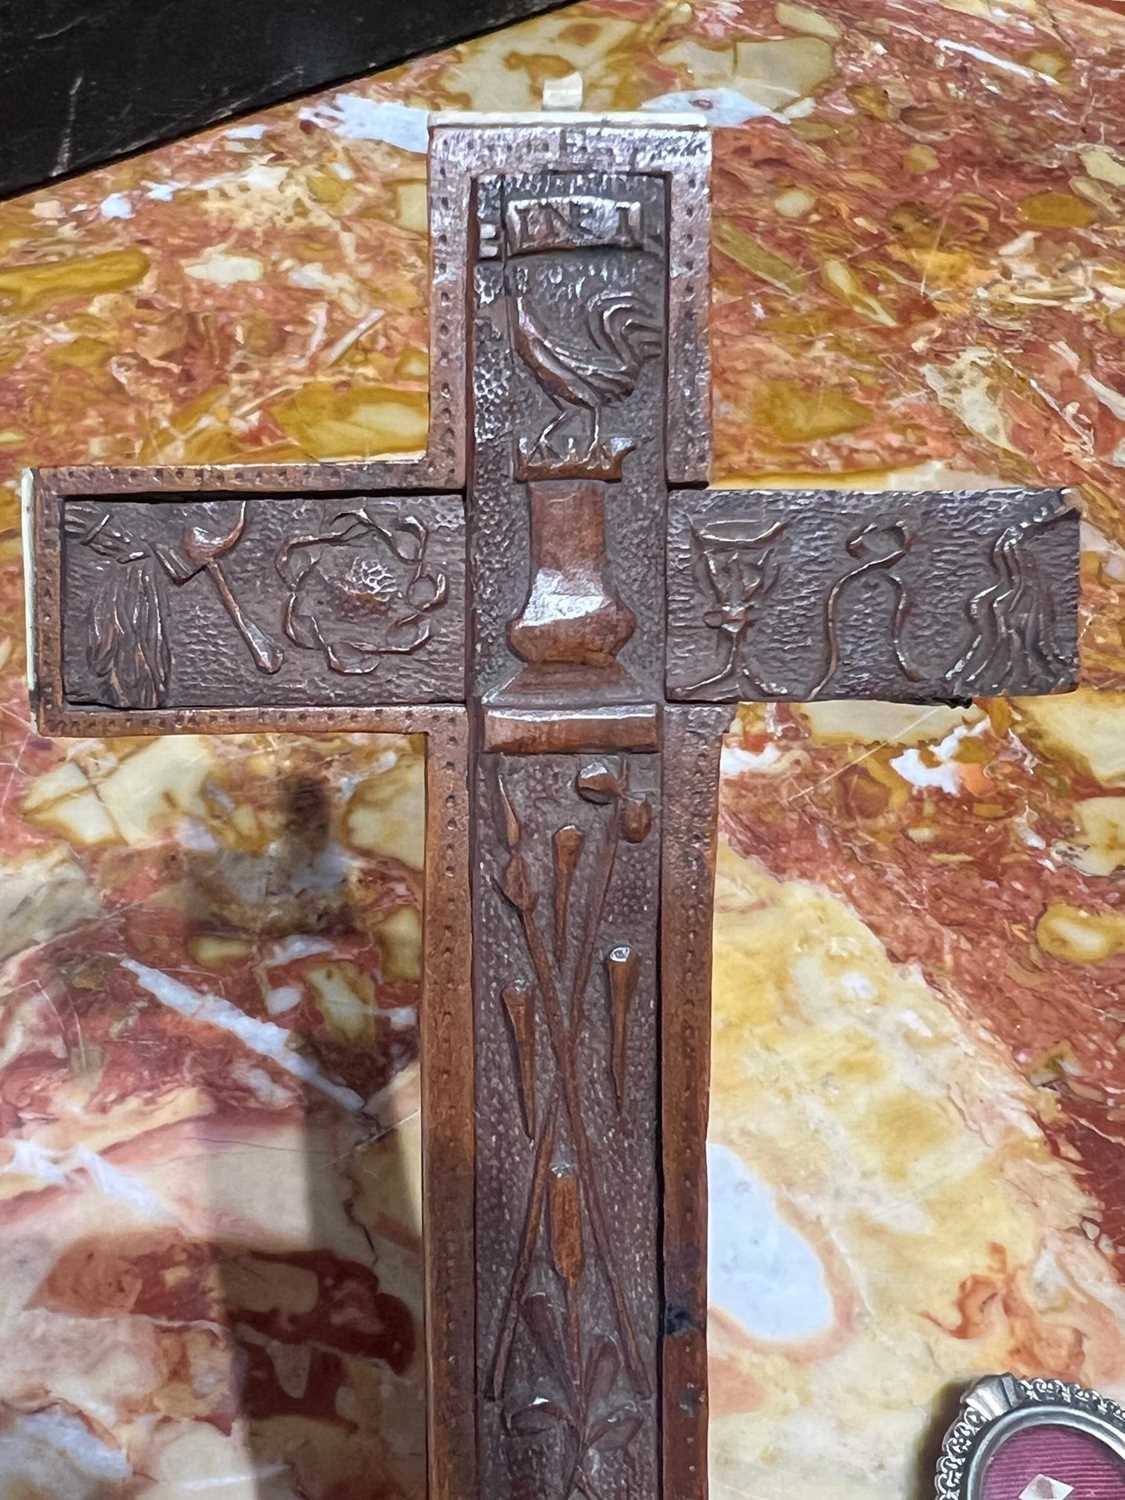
(917, 597)
(156, 612)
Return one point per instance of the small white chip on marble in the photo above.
(563, 93)
(1043, 1487)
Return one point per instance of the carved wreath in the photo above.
(361, 590)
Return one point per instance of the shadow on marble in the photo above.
(210, 1239)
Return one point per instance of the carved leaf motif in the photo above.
(540, 1318)
(617, 1430)
(538, 1416)
(516, 884)
(636, 819)
(512, 830)
(602, 1369)
(598, 783)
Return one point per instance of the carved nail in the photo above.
(622, 966)
(520, 1005)
(564, 1199)
(567, 849)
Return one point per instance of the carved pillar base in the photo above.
(572, 616)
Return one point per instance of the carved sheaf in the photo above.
(129, 650)
(593, 1380)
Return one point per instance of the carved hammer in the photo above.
(199, 551)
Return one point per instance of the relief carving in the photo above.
(361, 590)
(582, 1120)
(585, 352)
(1013, 619)
(570, 320)
(879, 545)
(359, 587)
(588, 1381)
(128, 649)
(580, 221)
(736, 563)
(805, 600)
(572, 615)
(582, 374)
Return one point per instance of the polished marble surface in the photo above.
(209, 1133)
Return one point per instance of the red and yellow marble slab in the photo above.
(208, 1149)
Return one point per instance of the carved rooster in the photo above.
(622, 334)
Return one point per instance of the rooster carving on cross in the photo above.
(622, 334)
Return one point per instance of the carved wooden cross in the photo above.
(553, 598)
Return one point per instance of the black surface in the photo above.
(83, 81)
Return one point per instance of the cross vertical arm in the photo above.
(692, 743)
(585, 294)
(448, 1081)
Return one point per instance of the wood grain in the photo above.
(447, 1114)
(528, 731)
(692, 744)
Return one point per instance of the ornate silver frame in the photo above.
(998, 1406)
